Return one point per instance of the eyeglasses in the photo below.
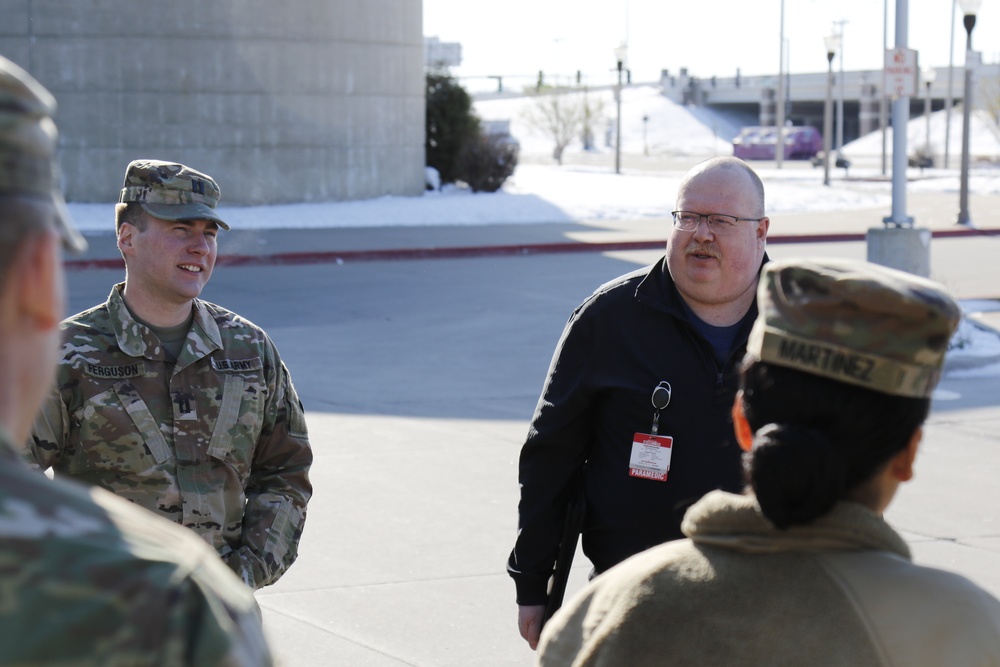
(718, 223)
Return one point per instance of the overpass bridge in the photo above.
(805, 95)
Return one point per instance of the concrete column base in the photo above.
(904, 248)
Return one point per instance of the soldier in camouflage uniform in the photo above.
(86, 579)
(177, 404)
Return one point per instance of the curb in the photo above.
(464, 252)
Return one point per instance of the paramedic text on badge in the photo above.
(650, 456)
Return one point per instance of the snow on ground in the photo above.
(974, 349)
(544, 193)
(670, 129)
(536, 194)
(984, 144)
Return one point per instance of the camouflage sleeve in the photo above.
(278, 488)
(152, 615)
(49, 433)
(90, 579)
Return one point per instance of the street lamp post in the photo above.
(882, 98)
(929, 74)
(969, 9)
(840, 91)
(621, 53)
(779, 109)
(832, 43)
(949, 100)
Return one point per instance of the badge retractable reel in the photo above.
(651, 452)
(660, 399)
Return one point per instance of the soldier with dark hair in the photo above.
(175, 403)
(86, 579)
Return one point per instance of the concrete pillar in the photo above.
(768, 110)
(694, 93)
(904, 248)
(868, 109)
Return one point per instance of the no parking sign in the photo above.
(901, 72)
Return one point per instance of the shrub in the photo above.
(487, 162)
(923, 157)
(451, 124)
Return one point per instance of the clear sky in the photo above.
(521, 37)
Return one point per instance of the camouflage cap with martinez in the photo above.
(28, 138)
(171, 191)
(855, 322)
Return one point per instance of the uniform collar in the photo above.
(735, 522)
(657, 289)
(137, 340)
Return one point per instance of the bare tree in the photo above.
(593, 115)
(559, 114)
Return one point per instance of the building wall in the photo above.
(303, 100)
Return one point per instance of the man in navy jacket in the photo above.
(640, 388)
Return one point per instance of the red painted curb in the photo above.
(462, 252)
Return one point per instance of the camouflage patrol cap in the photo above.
(855, 322)
(28, 135)
(171, 191)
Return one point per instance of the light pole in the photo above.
(832, 43)
(929, 74)
(882, 111)
(948, 101)
(840, 91)
(969, 9)
(779, 110)
(621, 53)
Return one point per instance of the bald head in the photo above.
(727, 164)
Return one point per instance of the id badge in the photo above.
(650, 456)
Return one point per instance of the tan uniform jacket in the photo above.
(839, 591)
(216, 442)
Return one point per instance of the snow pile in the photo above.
(668, 128)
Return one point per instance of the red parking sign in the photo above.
(901, 72)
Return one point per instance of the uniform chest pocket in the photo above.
(238, 424)
(118, 432)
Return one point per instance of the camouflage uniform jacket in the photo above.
(88, 579)
(216, 442)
